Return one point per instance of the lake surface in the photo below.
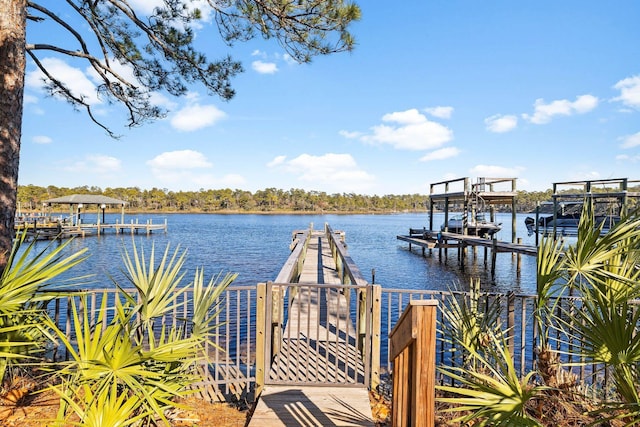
(256, 246)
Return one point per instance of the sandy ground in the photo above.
(39, 410)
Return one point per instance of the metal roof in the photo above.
(89, 199)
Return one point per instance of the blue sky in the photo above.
(542, 91)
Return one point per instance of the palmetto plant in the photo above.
(467, 322)
(487, 385)
(491, 391)
(134, 358)
(602, 272)
(107, 361)
(206, 305)
(30, 279)
(158, 286)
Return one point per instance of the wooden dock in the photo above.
(429, 239)
(316, 365)
(435, 240)
(65, 231)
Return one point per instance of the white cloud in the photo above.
(73, 78)
(161, 100)
(95, 164)
(276, 161)
(231, 180)
(189, 170)
(493, 171)
(585, 176)
(331, 171)
(501, 124)
(146, 7)
(196, 116)
(289, 59)
(440, 112)
(191, 180)
(30, 99)
(409, 117)
(544, 113)
(182, 159)
(350, 135)
(441, 154)
(630, 141)
(124, 71)
(42, 139)
(627, 158)
(629, 91)
(409, 130)
(264, 67)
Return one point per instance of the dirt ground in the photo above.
(38, 410)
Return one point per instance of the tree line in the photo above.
(32, 197)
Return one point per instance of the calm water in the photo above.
(256, 246)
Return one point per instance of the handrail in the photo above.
(292, 268)
(347, 269)
(413, 347)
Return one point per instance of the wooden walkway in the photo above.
(317, 376)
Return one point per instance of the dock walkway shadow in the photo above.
(309, 406)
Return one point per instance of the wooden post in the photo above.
(277, 308)
(519, 259)
(413, 349)
(361, 312)
(511, 319)
(376, 309)
(261, 356)
(494, 254)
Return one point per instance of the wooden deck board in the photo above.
(312, 406)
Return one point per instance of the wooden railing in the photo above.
(350, 274)
(413, 351)
(348, 271)
(290, 271)
(235, 365)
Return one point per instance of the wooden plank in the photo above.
(312, 406)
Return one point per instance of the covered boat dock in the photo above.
(49, 227)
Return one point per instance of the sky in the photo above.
(545, 91)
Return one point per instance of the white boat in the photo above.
(566, 220)
(478, 226)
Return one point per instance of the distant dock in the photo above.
(429, 240)
(45, 226)
(45, 231)
(470, 199)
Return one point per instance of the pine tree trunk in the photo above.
(13, 14)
